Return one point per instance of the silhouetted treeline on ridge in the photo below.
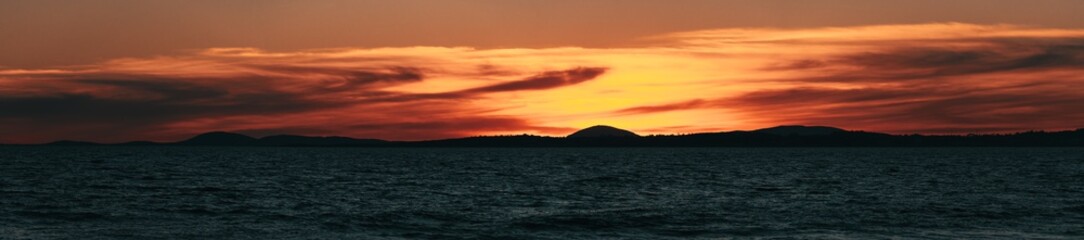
(605, 136)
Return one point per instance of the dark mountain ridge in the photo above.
(293, 140)
(799, 130)
(598, 131)
(219, 139)
(606, 136)
(235, 139)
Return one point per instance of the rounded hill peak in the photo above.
(220, 138)
(800, 130)
(602, 131)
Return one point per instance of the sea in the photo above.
(540, 193)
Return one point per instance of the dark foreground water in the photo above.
(329, 193)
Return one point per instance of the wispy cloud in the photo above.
(251, 91)
(931, 78)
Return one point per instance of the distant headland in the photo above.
(607, 136)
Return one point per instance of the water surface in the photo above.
(321, 193)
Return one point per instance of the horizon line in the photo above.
(258, 137)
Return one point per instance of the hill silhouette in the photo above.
(235, 139)
(219, 139)
(606, 136)
(800, 130)
(72, 143)
(602, 131)
(292, 140)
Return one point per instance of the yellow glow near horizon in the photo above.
(878, 78)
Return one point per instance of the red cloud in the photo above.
(691, 104)
(1005, 86)
(119, 107)
(931, 78)
(545, 80)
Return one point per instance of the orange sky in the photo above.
(682, 75)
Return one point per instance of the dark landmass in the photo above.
(798, 130)
(290, 140)
(140, 143)
(219, 138)
(234, 139)
(602, 131)
(606, 136)
(71, 143)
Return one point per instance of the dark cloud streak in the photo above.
(691, 104)
(930, 63)
(542, 81)
(125, 105)
(1018, 85)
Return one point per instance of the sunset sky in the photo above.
(121, 70)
